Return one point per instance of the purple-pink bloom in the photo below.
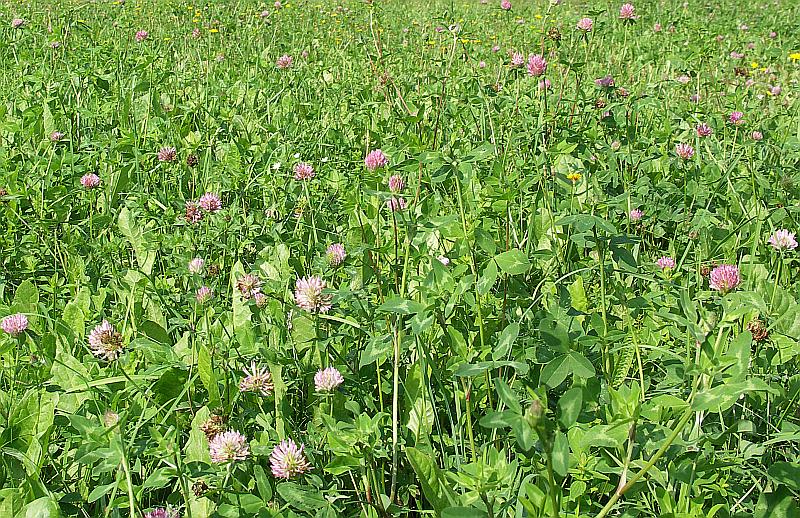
(90, 181)
(505, 5)
(783, 240)
(605, 82)
(288, 460)
(167, 154)
(657, 27)
(635, 215)
(757, 135)
(627, 12)
(284, 62)
(585, 24)
(396, 183)
(141, 36)
(544, 84)
(228, 447)
(16, 23)
(736, 55)
(56, 136)
(536, 65)
(193, 212)
(204, 294)
(666, 263)
(14, 324)
(248, 285)
(704, 130)
(396, 204)
(517, 59)
(303, 171)
(496, 48)
(724, 278)
(736, 118)
(160, 512)
(196, 265)
(685, 151)
(106, 342)
(257, 379)
(210, 202)
(481, 64)
(375, 159)
(309, 294)
(336, 254)
(326, 380)
(775, 90)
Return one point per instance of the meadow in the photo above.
(450, 258)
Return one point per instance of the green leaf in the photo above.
(569, 406)
(513, 262)
(786, 473)
(560, 454)
(299, 497)
(74, 318)
(557, 370)
(207, 376)
(44, 507)
(723, 396)
(507, 396)
(262, 483)
(778, 504)
(464, 512)
(506, 340)
(431, 479)
(487, 279)
(401, 306)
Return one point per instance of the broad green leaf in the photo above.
(401, 306)
(506, 340)
(513, 262)
(207, 376)
(431, 480)
(569, 406)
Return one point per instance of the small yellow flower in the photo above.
(538, 16)
(795, 56)
(213, 30)
(753, 65)
(574, 177)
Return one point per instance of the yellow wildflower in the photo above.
(574, 177)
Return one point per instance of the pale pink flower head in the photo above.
(309, 294)
(505, 5)
(773, 35)
(627, 12)
(336, 254)
(106, 342)
(264, 13)
(260, 300)
(204, 294)
(481, 64)
(15, 324)
(287, 460)
(736, 118)
(657, 27)
(544, 84)
(537, 65)
(724, 278)
(757, 136)
(685, 151)
(90, 181)
(750, 82)
(666, 263)
(16, 23)
(56, 136)
(444, 260)
(326, 380)
(248, 285)
(396, 183)
(605, 82)
(635, 215)
(160, 512)
(210, 202)
(585, 24)
(196, 32)
(517, 59)
(277, 4)
(193, 212)
(775, 90)
(196, 265)
(284, 62)
(783, 240)
(228, 446)
(396, 204)
(695, 98)
(303, 171)
(736, 55)
(304, 54)
(683, 79)
(375, 159)
(141, 36)
(704, 130)
(167, 154)
(257, 379)
(496, 49)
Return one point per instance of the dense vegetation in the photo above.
(399, 258)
